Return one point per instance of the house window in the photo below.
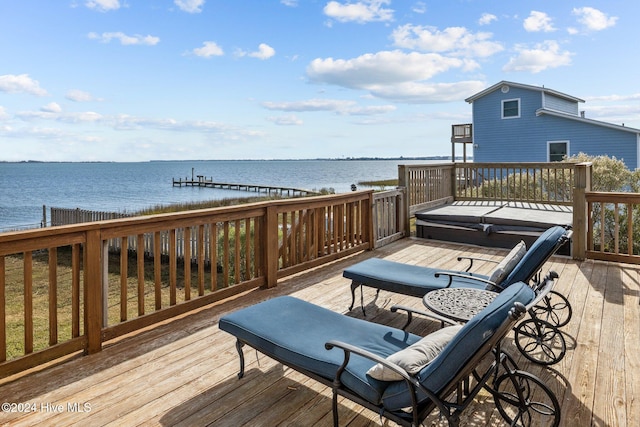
(510, 108)
(557, 150)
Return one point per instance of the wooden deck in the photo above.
(184, 372)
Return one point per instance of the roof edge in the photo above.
(522, 86)
(555, 113)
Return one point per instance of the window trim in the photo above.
(563, 141)
(502, 109)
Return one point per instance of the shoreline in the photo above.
(328, 159)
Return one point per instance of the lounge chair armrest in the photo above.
(452, 274)
(471, 259)
(411, 311)
(412, 382)
(543, 288)
(352, 349)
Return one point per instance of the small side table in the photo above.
(459, 304)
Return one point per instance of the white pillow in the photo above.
(508, 263)
(415, 357)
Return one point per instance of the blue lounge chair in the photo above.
(305, 337)
(413, 280)
(552, 312)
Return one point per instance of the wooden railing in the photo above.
(549, 183)
(388, 216)
(425, 185)
(431, 185)
(62, 291)
(613, 233)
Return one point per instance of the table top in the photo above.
(459, 304)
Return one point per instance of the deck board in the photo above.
(184, 372)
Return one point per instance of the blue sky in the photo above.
(136, 80)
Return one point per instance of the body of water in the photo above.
(128, 187)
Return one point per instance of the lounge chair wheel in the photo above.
(541, 342)
(524, 400)
(554, 308)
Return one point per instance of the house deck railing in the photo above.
(555, 183)
(547, 183)
(63, 291)
(613, 230)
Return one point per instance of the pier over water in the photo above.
(202, 181)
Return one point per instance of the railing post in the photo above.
(582, 186)
(271, 246)
(372, 236)
(453, 188)
(93, 289)
(402, 213)
(403, 182)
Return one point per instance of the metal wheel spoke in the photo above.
(554, 308)
(523, 400)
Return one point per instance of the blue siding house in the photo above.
(514, 122)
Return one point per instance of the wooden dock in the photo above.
(202, 181)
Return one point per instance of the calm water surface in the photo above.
(127, 187)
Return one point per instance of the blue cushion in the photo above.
(461, 349)
(537, 254)
(296, 331)
(403, 278)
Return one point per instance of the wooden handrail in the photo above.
(611, 231)
(164, 265)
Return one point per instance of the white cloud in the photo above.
(420, 7)
(80, 96)
(360, 11)
(3, 113)
(52, 107)
(373, 110)
(539, 58)
(614, 98)
(593, 19)
(50, 112)
(386, 67)
(310, 105)
(264, 52)
(290, 3)
(190, 6)
(396, 75)
(125, 39)
(338, 106)
(290, 120)
(487, 18)
(427, 93)
(208, 50)
(103, 5)
(538, 21)
(457, 41)
(21, 83)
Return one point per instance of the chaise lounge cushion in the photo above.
(405, 279)
(539, 251)
(295, 332)
(508, 263)
(443, 369)
(415, 357)
(414, 280)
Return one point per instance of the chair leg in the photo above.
(239, 346)
(354, 285)
(334, 408)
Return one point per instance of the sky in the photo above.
(139, 80)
